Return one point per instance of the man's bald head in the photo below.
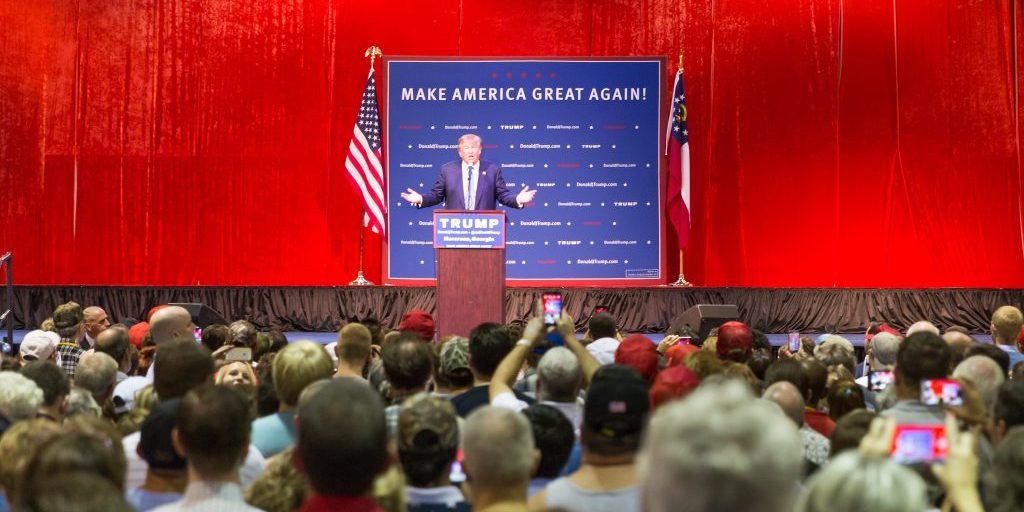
(922, 326)
(788, 397)
(170, 322)
(114, 342)
(96, 321)
(958, 343)
(985, 374)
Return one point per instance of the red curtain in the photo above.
(838, 143)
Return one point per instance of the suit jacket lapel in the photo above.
(460, 195)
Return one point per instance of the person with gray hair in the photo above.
(561, 372)
(80, 401)
(499, 454)
(985, 374)
(854, 483)
(97, 374)
(720, 449)
(559, 380)
(20, 398)
(881, 355)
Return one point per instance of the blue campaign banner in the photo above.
(586, 134)
(468, 230)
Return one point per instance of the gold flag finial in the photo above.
(372, 52)
(680, 60)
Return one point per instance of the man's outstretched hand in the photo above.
(412, 196)
(525, 195)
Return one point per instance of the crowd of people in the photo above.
(159, 415)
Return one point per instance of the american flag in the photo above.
(363, 161)
(678, 149)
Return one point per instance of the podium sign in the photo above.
(470, 284)
(458, 229)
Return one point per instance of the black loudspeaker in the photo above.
(700, 319)
(202, 315)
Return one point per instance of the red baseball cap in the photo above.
(672, 383)
(420, 322)
(137, 333)
(640, 353)
(732, 337)
(678, 353)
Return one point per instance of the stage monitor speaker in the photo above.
(700, 319)
(202, 315)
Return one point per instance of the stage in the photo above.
(647, 310)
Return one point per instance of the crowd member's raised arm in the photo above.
(567, 328)
(959, 473)
(505, 375)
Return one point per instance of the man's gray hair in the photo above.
(20, 397)
(560, 375)
(498, 448)
(96, 372)
(884, 347)
(80, 401)
(852, 483)
(720, 449)
(985, 374)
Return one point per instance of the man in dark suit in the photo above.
(478, 180)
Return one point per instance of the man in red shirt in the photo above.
(342, 446)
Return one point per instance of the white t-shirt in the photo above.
(137, 466)
(603, 349)
(572, 410)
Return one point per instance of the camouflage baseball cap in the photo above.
(68, 315)
(427, 422)
(454, 354)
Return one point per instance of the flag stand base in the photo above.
(360, 280)
(681, 282)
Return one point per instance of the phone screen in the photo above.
(552, 302)
(794, 342)
(941, 391)
(916, 444)
(878, 381)
(239, 354)
(455, 473)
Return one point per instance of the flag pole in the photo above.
(360, 280)
(681, 281)
(372, 52)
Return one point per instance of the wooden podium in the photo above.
(470, 287)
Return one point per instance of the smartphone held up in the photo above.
(552, 307)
